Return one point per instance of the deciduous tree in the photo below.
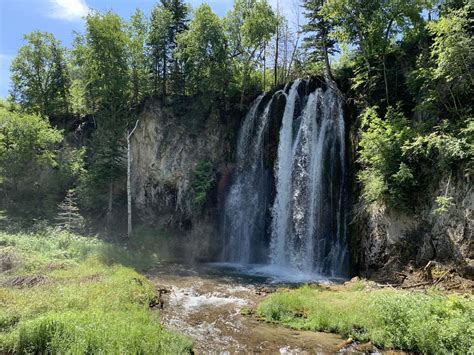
(39, 74)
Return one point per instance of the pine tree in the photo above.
(317, 30)
(158, 43)
(168, 20)
(180, 21)
(69, 217)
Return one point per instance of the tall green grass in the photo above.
(89, 300)
(415, 321)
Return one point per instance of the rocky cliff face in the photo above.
(388, 241)
(166, 148)
(168, 145)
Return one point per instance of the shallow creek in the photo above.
(206, 303)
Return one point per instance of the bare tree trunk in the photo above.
(129, 178)
(264, 66)
(326, 59)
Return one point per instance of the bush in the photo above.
(399, 163)
(203, 180)
(385, 177)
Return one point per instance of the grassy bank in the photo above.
(424, 322)
(62, 293)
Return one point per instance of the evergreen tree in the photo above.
(317, 28)
(103, 57)
(179, 23)
(69, 217)
(169, 18)
(158, 43)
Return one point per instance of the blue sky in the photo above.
(62, 17)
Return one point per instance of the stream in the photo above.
(207, 303)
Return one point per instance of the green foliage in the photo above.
(169, 19)
(137, 33)
(101, 56)
(28, 151)
(39, 74)
(444, 78)
(426, 323)
(249, 26)
(203, 50)
(317, 29)
(385, 176)
(69, 217)
(370, 28)
(203, 180)
(87, 301)
(158, 43)
(399, 163)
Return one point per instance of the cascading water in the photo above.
(303, 195)
(245, 206)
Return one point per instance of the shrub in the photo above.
(203, 180)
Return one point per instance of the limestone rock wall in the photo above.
(387, 241)
(166, 148)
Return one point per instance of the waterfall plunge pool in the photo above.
(273, 274)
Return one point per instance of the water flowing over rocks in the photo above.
(291, 214)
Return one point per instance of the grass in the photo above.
(62, 293)
(414, 321)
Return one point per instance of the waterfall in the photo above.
(245, 205)
(303, 195)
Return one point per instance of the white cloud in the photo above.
(68, 10)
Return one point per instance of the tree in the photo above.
(371, 26)
(40, 79)
(318, 30)
(179, 23)
(69, 217)
(137, 32)
(129, 180)
(102, 54)
(158, 42)
(168, 19)
(444, 77)
(28, 149)
(249, 26)
(203, 50)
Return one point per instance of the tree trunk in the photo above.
(264, 66)
(129, 186)
(163, 88)
(326, 59)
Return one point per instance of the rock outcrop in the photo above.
(386, 241)
(166, 148)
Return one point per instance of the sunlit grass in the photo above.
(87, 300)
(424, 322)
